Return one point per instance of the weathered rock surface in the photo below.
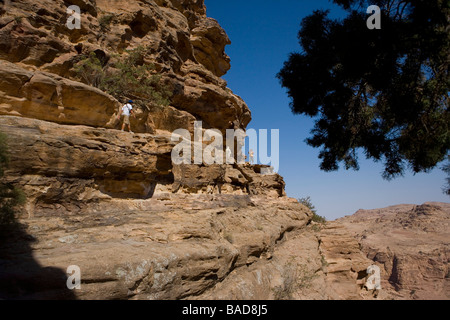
(186, 47)
(79, 163)
(145, 249)
(140, 227)
(45, 96)
(411, 245)
(212, 246)
(64, 154)
(71, 166)
(234, 179)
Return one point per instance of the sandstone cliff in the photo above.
(114, 204)
(411, 245)
(71, 143)
(185, 46)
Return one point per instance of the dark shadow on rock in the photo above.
(21, 276)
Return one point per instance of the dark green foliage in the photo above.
(295, 278)
(134, 79)
(319, 219)
(383, 91)
(10, 196)
(130, 77)
(91, 71)
(308, 203)
(105, 22)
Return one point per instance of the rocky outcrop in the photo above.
(141, 227)
(54, 163)
(186, 47)
(46, 96)
(172, 249)
(68, 129)
(240, 179)
(72, 166)
(410, 244)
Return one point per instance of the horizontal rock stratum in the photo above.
(113, 204)
(172, 249)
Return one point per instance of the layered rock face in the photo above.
(186, 47)
(70, 148)
(410, 243)
(114, 204)
(178, 247)
(111, 202)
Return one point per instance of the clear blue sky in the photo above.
(263, 33)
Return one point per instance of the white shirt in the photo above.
(126, 109)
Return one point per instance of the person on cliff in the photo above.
(252, 157)
(126, 111)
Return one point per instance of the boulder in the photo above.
(46, 96)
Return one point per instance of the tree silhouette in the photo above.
(383, 91)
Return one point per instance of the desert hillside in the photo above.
(411, 245)
(139, 226)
